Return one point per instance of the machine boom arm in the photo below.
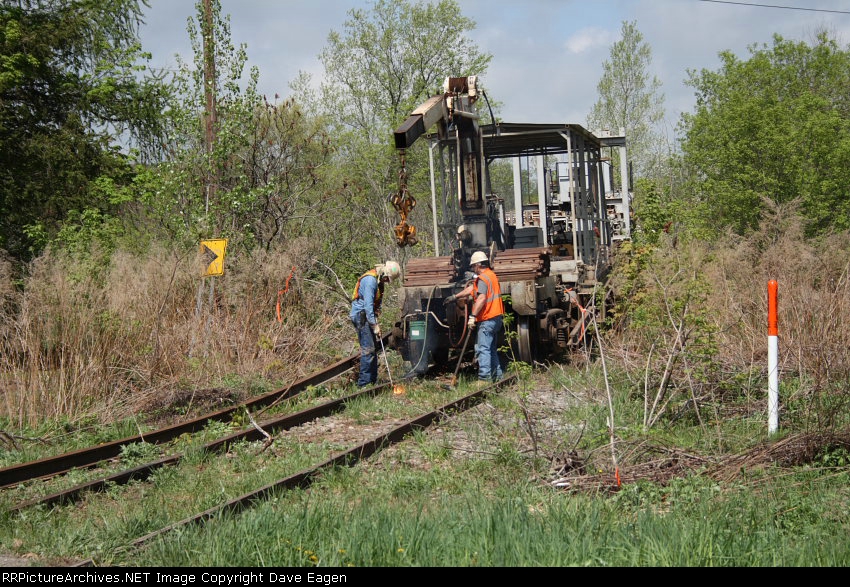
(450, 111)
(431, 112)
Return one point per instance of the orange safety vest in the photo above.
(379, 294)
(493, 302)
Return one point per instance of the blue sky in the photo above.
(547, 54)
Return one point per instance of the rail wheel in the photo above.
(525, 340)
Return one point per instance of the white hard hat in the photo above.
(391, 270)
(478, 257)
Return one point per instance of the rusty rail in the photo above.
(87, 457)
(252, 433)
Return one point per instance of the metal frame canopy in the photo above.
(520, 139)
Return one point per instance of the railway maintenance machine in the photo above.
(544, 203)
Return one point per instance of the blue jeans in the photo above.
(368, 353)
(487, 351)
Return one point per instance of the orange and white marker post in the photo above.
(772, 358)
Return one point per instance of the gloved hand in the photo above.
(449, 300)
(376, 328)
(471, 322)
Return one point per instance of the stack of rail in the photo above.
(521, 264)
(509, 265)
(425, 271)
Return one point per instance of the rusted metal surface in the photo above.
(404, 203)
(429, 271)
(87, 457)
(346, 458)
(305, 477)
(300, 479)
(521, 264)
(509, 265)
(143, 471)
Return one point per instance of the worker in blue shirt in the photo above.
(365, 306)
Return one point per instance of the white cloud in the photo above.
(547, 54)
(589, 38)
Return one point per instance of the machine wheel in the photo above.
(525, 340)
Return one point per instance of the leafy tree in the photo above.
(70, 97)
(775, 126)
(385, 62)
(259, 182)
(391, 58)
(630, 99)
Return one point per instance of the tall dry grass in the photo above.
(694, 323)
(814, 312)
(107, 343)
(146, 329)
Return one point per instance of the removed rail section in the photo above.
(143, 471)
(87, 457)
(348, 457)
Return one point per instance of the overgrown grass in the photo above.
(472, 492)
(148, 328)
(684, 378)
(470, 518)
(692, 325)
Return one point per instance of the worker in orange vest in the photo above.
(365, 306)
(487, 313)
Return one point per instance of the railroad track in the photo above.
(50, 467)
(88, 457)
(348, 457)
(253, 433)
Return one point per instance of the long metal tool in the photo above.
(462, 352)
(387, 361)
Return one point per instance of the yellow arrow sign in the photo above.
(213, 250)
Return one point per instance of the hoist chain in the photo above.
(405, 234)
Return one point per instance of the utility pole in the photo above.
(208, 32)
(210, 119)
